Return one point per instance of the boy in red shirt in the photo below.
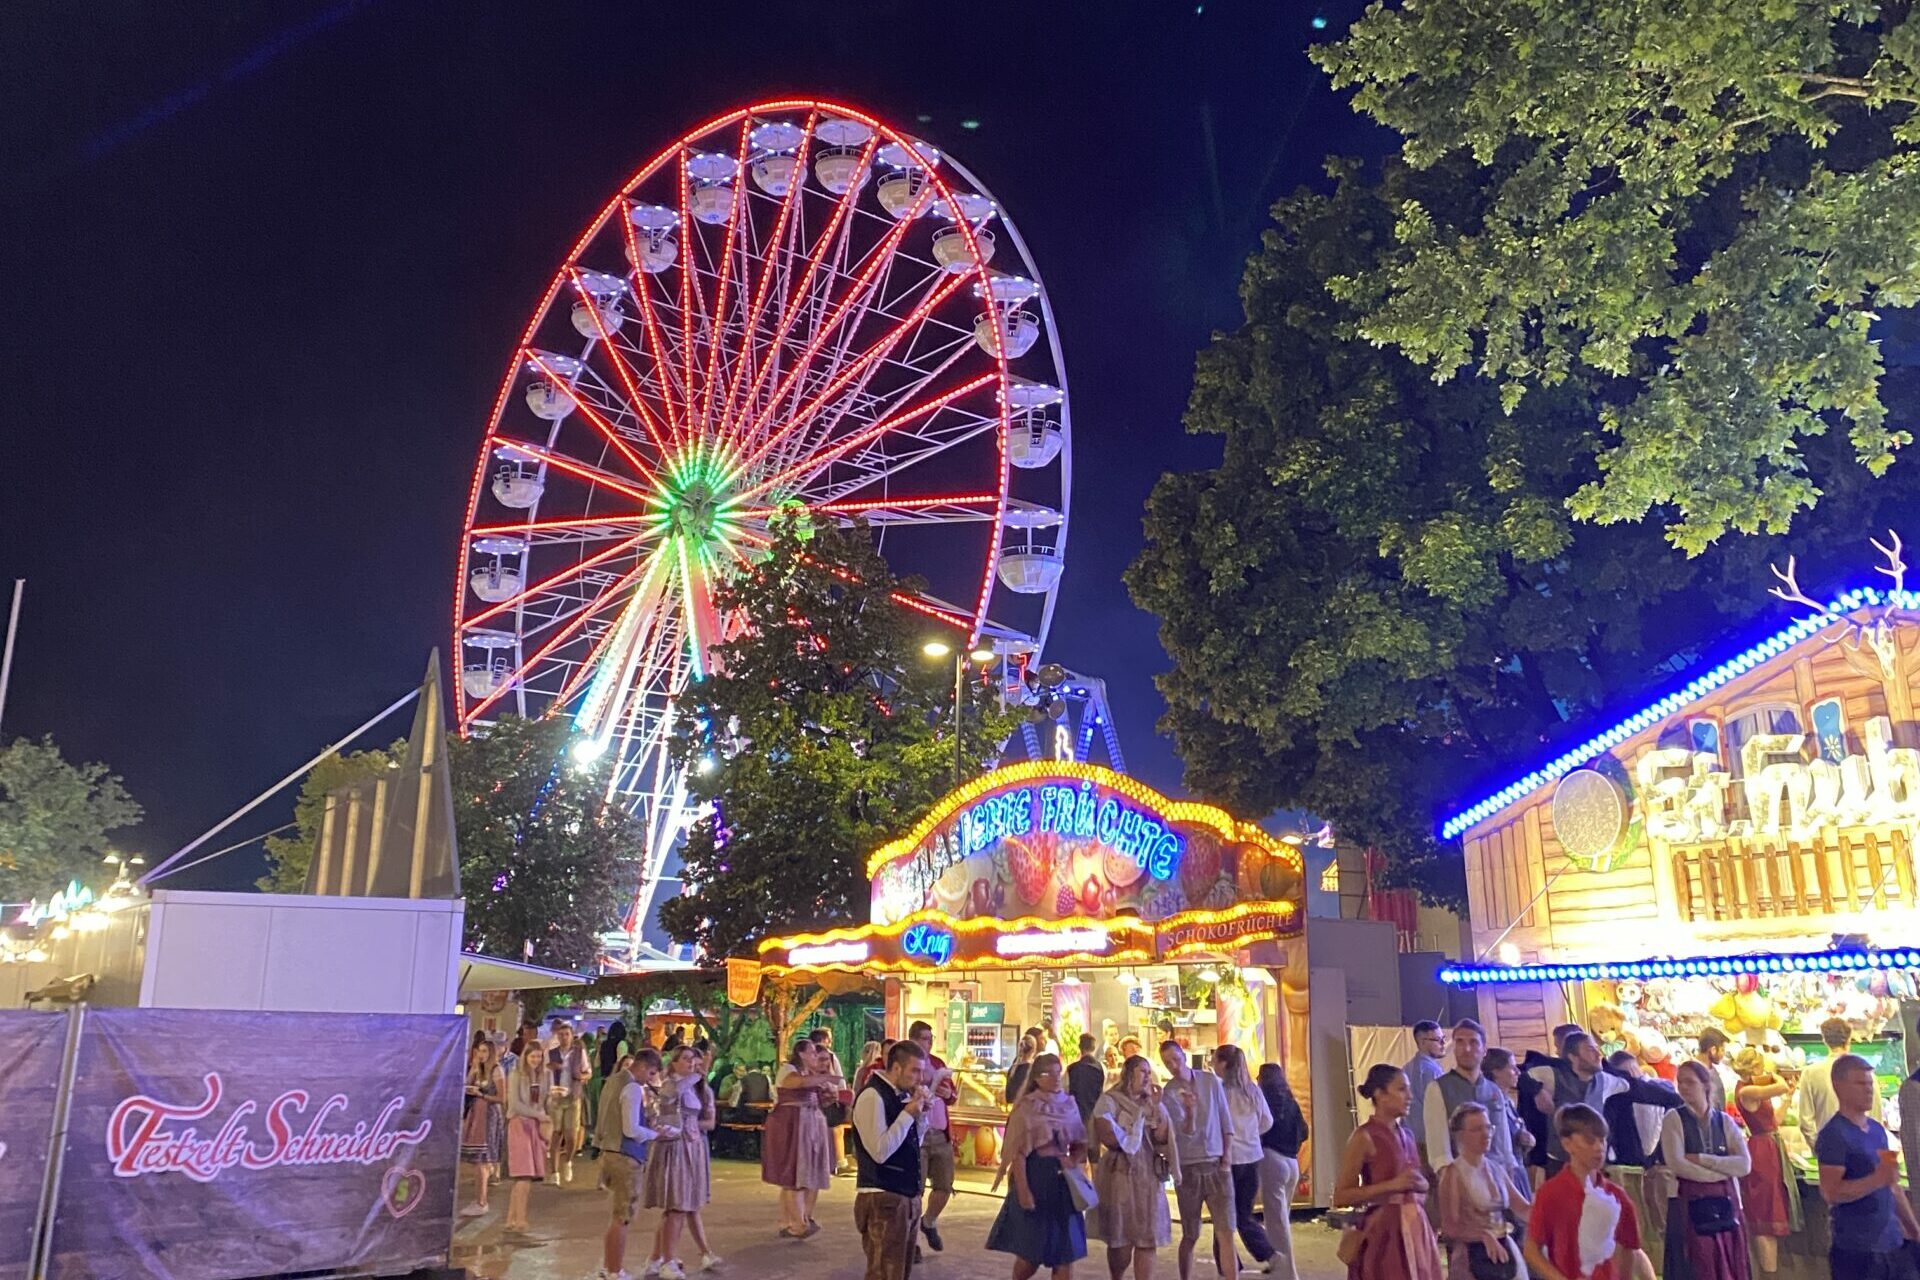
(1582, 1226)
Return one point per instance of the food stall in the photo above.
(1737, 854)
(1067, 896)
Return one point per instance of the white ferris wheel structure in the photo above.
(794, 305)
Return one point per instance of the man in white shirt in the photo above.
(1815, 1103)
(886, 1152)
(1197, 1104)
(936, 1140)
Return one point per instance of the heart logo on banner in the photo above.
(403, 1190)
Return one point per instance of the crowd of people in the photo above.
(1474, 1163)
(1091, 1148)
(1550, 1167)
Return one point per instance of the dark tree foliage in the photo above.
(55, 820)
(824, 733)
(1698, 213)
(546, 864)
(1380, 601)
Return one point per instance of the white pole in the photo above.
(6, 660)
(254, 803)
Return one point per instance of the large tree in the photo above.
(1379, 600)
(55, 820)
(823, 733)
(1698, 212)
(546, 863)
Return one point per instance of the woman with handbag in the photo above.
(1380, 1172)
(1707, 1154)
(1137, 1159)
(1475, 1204)
(1041, 1223)
(529, 1129)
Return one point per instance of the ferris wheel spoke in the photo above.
(841, 448)
(958, 508)
(555, 579)
(574, 467)
(574, 529)
(635, 400)
(857, 293)
(854, 367)
(815, 443)
(650, 325)
(734, 220)
(598, 420)
(564, 633)
(890, 458)
(689, 272)
(770, 253)
(791, 309)
(611, 662)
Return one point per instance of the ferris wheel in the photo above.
(792, 307)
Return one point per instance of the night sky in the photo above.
(265, 261)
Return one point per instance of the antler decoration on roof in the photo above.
(1876, 632)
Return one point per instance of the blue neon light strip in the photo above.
(1685, 967)
(1774, 645)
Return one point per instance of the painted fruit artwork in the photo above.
(1030, 863)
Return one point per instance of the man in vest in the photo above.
(1465, 1083)
(622, 1136)
(886, 1153)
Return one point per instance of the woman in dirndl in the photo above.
(677, 1180)
(1380, 1173)
(527, 1128)
(1039, 1223)
(483, 1130)
(1707, 1154)
(796, 1149)
(1138, 1157)
(1770, 1194)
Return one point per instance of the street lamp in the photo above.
(937, 649)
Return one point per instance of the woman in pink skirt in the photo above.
(796, 1153)
(678, 1179)
(527, 1130)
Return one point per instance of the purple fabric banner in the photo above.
(31, 1047)
(212, 1145)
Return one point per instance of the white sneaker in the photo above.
(566, 1173)
(672, 1270)
(708, 1261)
(652, 1268)
(473, 1211)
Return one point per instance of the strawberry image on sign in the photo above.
(1030, 864)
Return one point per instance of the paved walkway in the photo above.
(568, 1223)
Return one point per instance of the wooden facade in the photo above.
(1744, 877)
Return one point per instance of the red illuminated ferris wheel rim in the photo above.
(971, 621)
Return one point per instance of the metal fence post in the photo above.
(44, 1216)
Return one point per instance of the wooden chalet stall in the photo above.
(1739, 854)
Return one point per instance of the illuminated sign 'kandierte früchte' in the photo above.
(1130, 831)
